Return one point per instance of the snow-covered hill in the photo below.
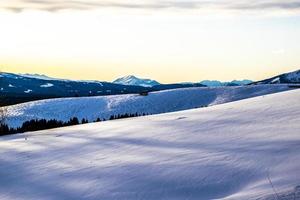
(291, 77)
(133, 80)
(158, 102)
(237, 151)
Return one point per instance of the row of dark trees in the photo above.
(43, 124)
(126, 115)
(36, 125)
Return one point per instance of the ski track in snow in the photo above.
(220, 152)
(158, 102)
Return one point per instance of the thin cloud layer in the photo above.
(56, 5)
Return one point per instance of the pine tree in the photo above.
(98, 120)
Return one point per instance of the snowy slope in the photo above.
(133, 80)
(158, 102)
(291, 78)
(221, 152)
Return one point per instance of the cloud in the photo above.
(240, 5)
(279, 51)
(285, 5)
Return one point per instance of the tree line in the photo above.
(43, 124)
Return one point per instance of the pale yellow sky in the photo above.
(169, 45)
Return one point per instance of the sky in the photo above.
(166, 40)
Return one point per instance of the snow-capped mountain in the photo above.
(38, 76)
(291, 77)
(18, 88)
(133, 80)
(245, 150)
(216, 83)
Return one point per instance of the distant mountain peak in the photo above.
(133, 80)
(130, 76)
(216, 83)
(37, 76)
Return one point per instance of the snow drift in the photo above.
(158, 102)
(233, 151)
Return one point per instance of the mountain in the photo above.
(176, 86)
(241, 82)
(133, 80)
(19, 88)
(39, 76)
(242, 150)
(288, 78)
(215, 83)
(154, 103)
(211, 83)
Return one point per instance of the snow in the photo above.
(27, 91)
(158, 102)
(38, 76)
(276, 80)
(44, 77)
(293, 76)
(220, 152)
(87, 82)
(133, 80)
(47, 85)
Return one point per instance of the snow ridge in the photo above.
(157, 102)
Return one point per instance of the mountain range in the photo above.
(286, 78)
(133, 80)
(215, 83)
(19, 88)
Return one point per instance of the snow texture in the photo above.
(158, 102)
(47, 85)
(234, 151)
